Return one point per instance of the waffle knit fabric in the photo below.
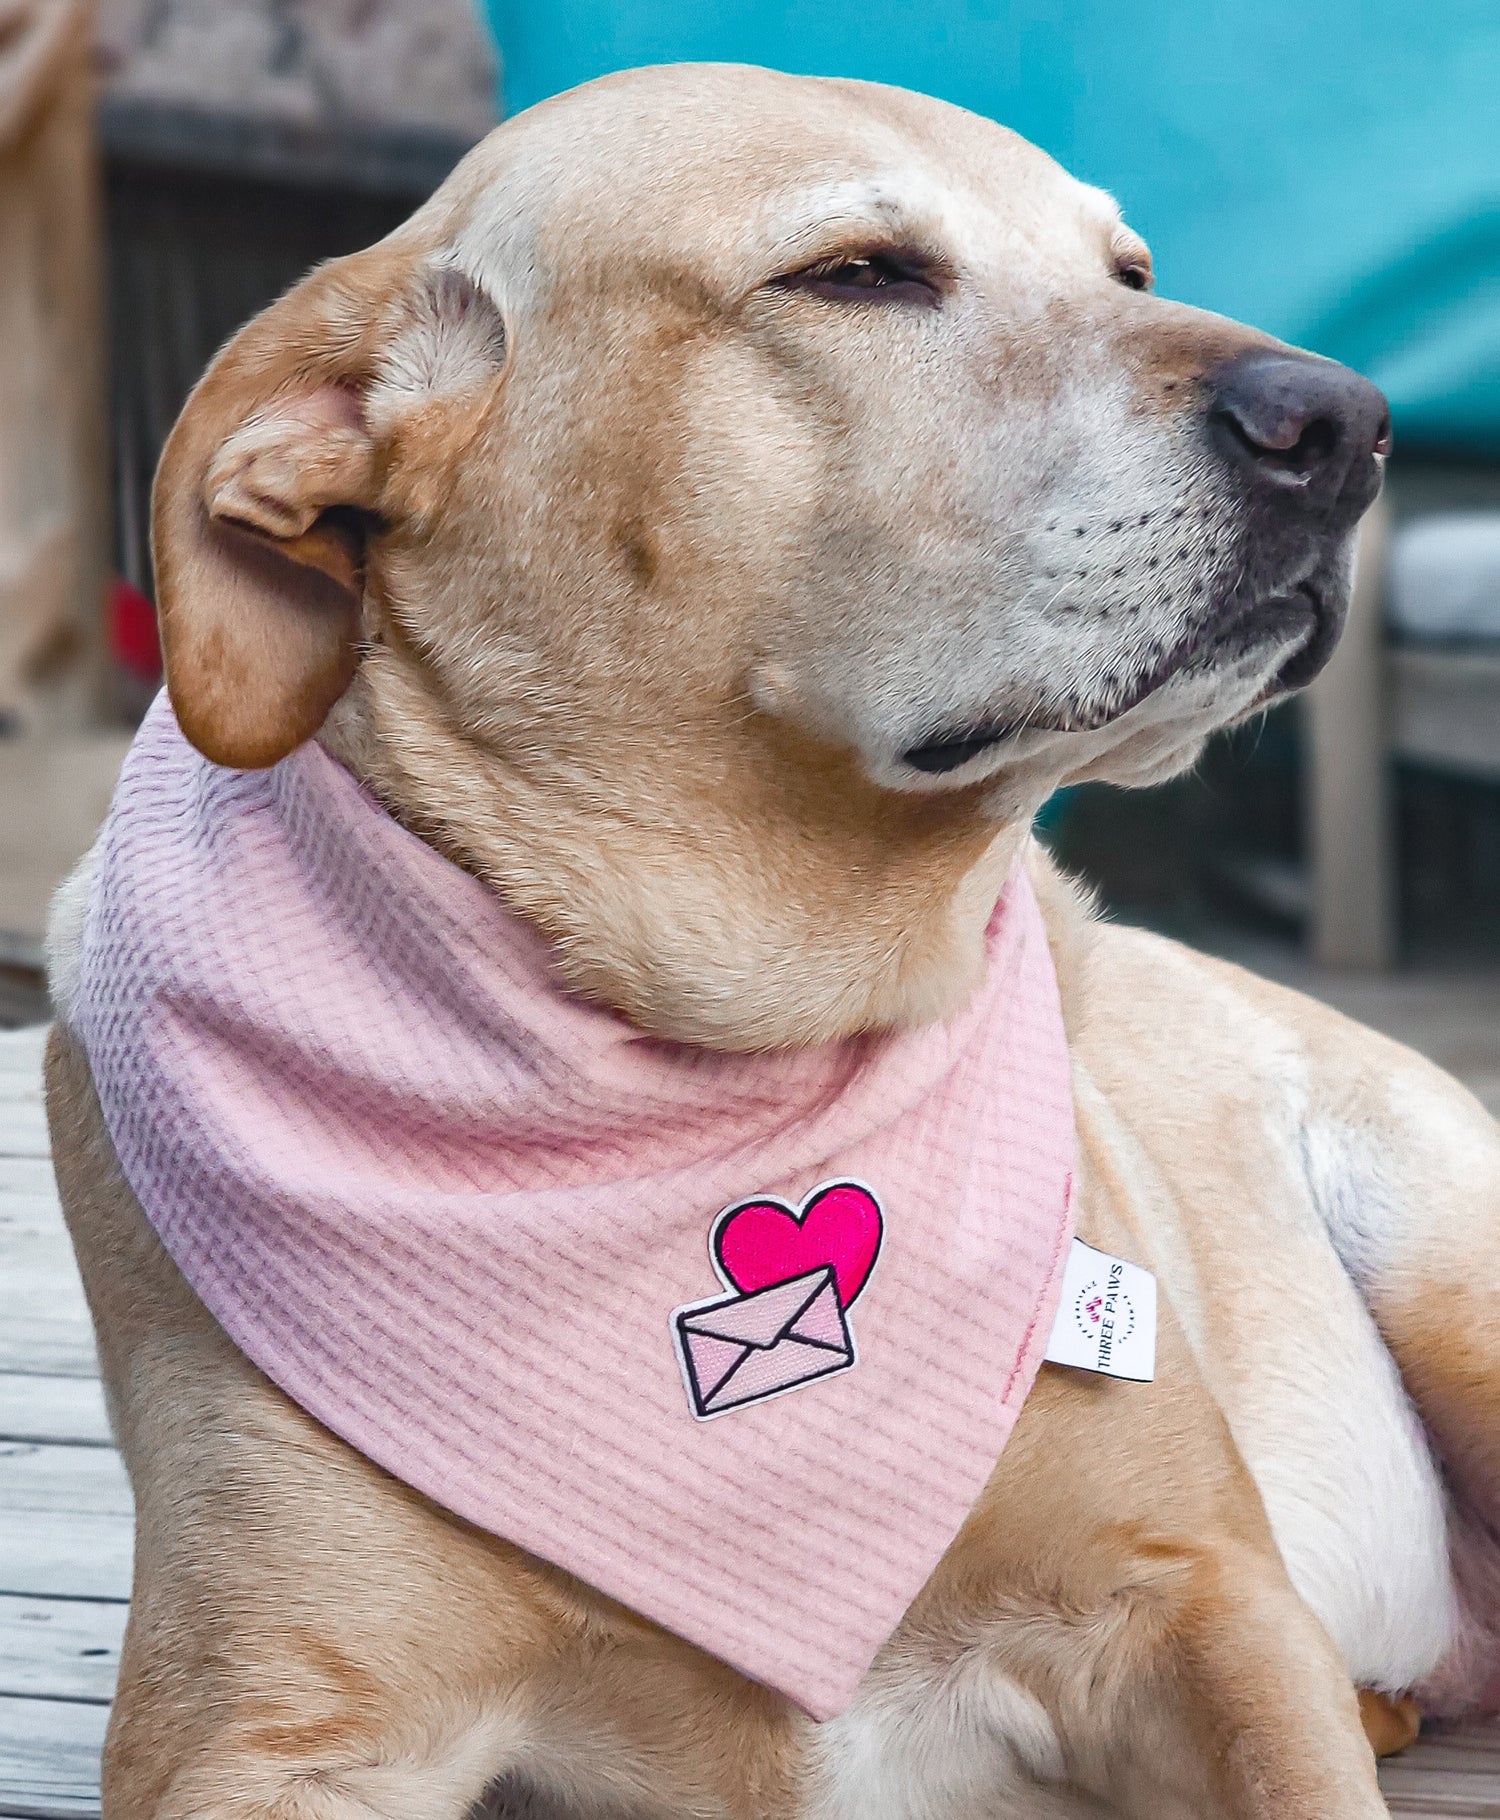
(465, 1219)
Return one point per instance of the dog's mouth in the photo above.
(1254, 625)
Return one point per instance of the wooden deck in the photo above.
(65, 1519)
(64, 1504)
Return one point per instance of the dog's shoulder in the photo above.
(1186, 1037)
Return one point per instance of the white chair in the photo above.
(1417, 678)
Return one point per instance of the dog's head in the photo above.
(727, 509)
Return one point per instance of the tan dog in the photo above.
(725, 472)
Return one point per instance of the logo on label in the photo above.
(1106, 1316)
(1104, 1313)
(797, 1272)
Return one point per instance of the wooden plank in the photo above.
(23, 1121)
(32, 1232)
(1446, 1775)
(44, 1320)
(60, 1649)
(49, 1758)
(1424, 1802)
(63, 1480)
(41, 1278)
(60, 1348)
(38, 1407)
(84, 1551)
(1468, 1750)
(37, 1265)
(27, 1175)
(1403, 1808)
(60, 1341)
(88, 1557)
(23, 1127)
(30, 1208)
(21, 1051)
(1478, 1737)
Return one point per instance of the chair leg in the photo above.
(1347, 792)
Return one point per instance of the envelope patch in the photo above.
(777, 1336)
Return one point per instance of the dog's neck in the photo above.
(710, 900)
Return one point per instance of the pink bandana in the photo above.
(736, 1339)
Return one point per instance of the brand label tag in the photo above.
(1106, 1320)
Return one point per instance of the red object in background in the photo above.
(132, 631)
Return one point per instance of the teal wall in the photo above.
(1328, 169)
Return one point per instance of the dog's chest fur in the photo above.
(1260, 1206)
(1349, 1482)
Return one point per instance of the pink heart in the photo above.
(762, 1242)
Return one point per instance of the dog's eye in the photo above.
(881, 276)
(1134, 272)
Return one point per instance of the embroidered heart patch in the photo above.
(764, 1241)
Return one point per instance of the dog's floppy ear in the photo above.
(276, 476)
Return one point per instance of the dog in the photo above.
(729, 486)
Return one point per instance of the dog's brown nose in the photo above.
(1295, 423)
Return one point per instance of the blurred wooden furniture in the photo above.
(209, 216)
(1415, 680)
(54, 532)
(1350, 824)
